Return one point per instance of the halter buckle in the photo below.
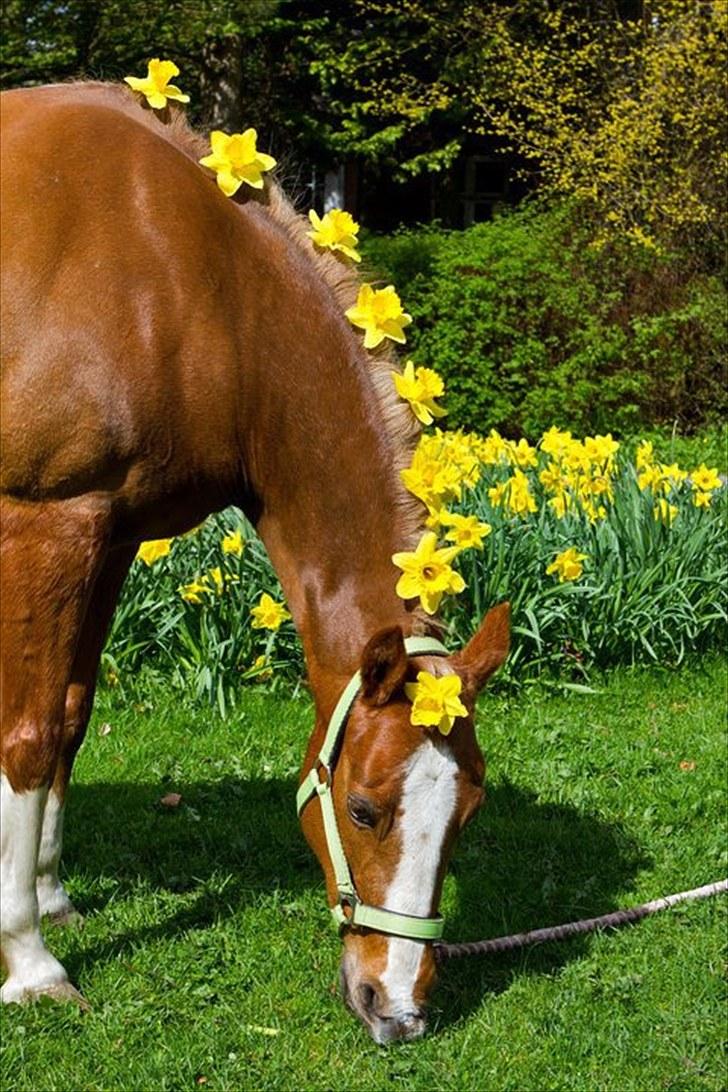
(325, 785)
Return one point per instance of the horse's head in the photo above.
(399, 794)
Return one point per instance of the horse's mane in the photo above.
(344, 282)
(400, 424)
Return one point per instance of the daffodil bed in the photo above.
(606, 560)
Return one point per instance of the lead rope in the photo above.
(574, 928)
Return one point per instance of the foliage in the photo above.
(207, 953)
(531, 325)
(620, 108)
(652, 589)
(623, 113)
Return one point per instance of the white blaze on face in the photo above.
(429, 796)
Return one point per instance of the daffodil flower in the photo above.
(235, 159)
(567, 565)
(233, 543)
(378, 312)
(644, 455)
(427, 574)
(155, 86)
(467, 532)
(152, 551)
(336, 231)
(664, 512)
(268, 614)
(521, 454)
(520, 498)
(194, 591)
(705, 479)
(436, 701)
(555, 442)
(420, 388)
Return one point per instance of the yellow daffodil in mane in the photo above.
(378, 312)
(155, 86)
(427, 574)
(436, 701)
(567, 565)
(420, 387)
(236, 159)
(466, 532)
(152, 551)
(336, 231)
(268, 614)
(233, 543)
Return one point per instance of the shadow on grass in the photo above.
(527, 865)
(521, 866)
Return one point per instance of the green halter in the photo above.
(370, 917)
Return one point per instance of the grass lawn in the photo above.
(207, 953)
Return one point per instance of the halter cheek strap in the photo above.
(313, 784)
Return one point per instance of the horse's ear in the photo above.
(486, 651)
(383, 666)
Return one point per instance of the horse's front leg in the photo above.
(50, 557)
(53, 902)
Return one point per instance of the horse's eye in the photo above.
(361, 811)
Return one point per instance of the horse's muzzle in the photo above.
(365, 1001)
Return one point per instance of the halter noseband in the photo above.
(370, 917)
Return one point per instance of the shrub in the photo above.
(531, 326)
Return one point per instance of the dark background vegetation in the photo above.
(542, 182)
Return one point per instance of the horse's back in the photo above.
(113, 243)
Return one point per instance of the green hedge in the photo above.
(530, 327)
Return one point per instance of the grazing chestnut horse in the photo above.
(167, 352)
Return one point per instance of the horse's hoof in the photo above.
(65, 992)
(17, 994)
(69, 917)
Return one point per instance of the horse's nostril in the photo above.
(367, 996)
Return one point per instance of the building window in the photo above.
(486, 185)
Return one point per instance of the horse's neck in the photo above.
(322, 465)
(332, 546)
